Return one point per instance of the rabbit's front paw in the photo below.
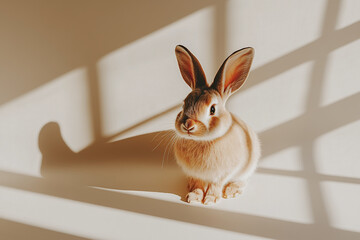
(195, 196)
(211, 199)
(233, 189)
(213, 194)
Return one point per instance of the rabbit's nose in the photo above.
(189, 125)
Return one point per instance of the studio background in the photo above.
(89, 87)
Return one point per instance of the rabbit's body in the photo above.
(231, 157)
(217, 151)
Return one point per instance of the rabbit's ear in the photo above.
(190, 68)
(233, 72)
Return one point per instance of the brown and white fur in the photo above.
(216, 150)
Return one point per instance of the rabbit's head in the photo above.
(204, 116)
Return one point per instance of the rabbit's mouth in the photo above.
(186, 134)
(193, 135)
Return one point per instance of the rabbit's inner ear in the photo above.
(234, 71)
(190, 68)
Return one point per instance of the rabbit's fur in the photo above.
(216, 150)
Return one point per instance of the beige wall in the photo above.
(102, 71)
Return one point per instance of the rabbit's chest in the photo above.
(212, 160)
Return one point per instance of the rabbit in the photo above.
(216, 150)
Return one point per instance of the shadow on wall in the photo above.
(129, 164)
(47, 39)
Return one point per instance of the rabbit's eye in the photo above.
(212, 110)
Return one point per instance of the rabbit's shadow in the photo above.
(129, 164)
